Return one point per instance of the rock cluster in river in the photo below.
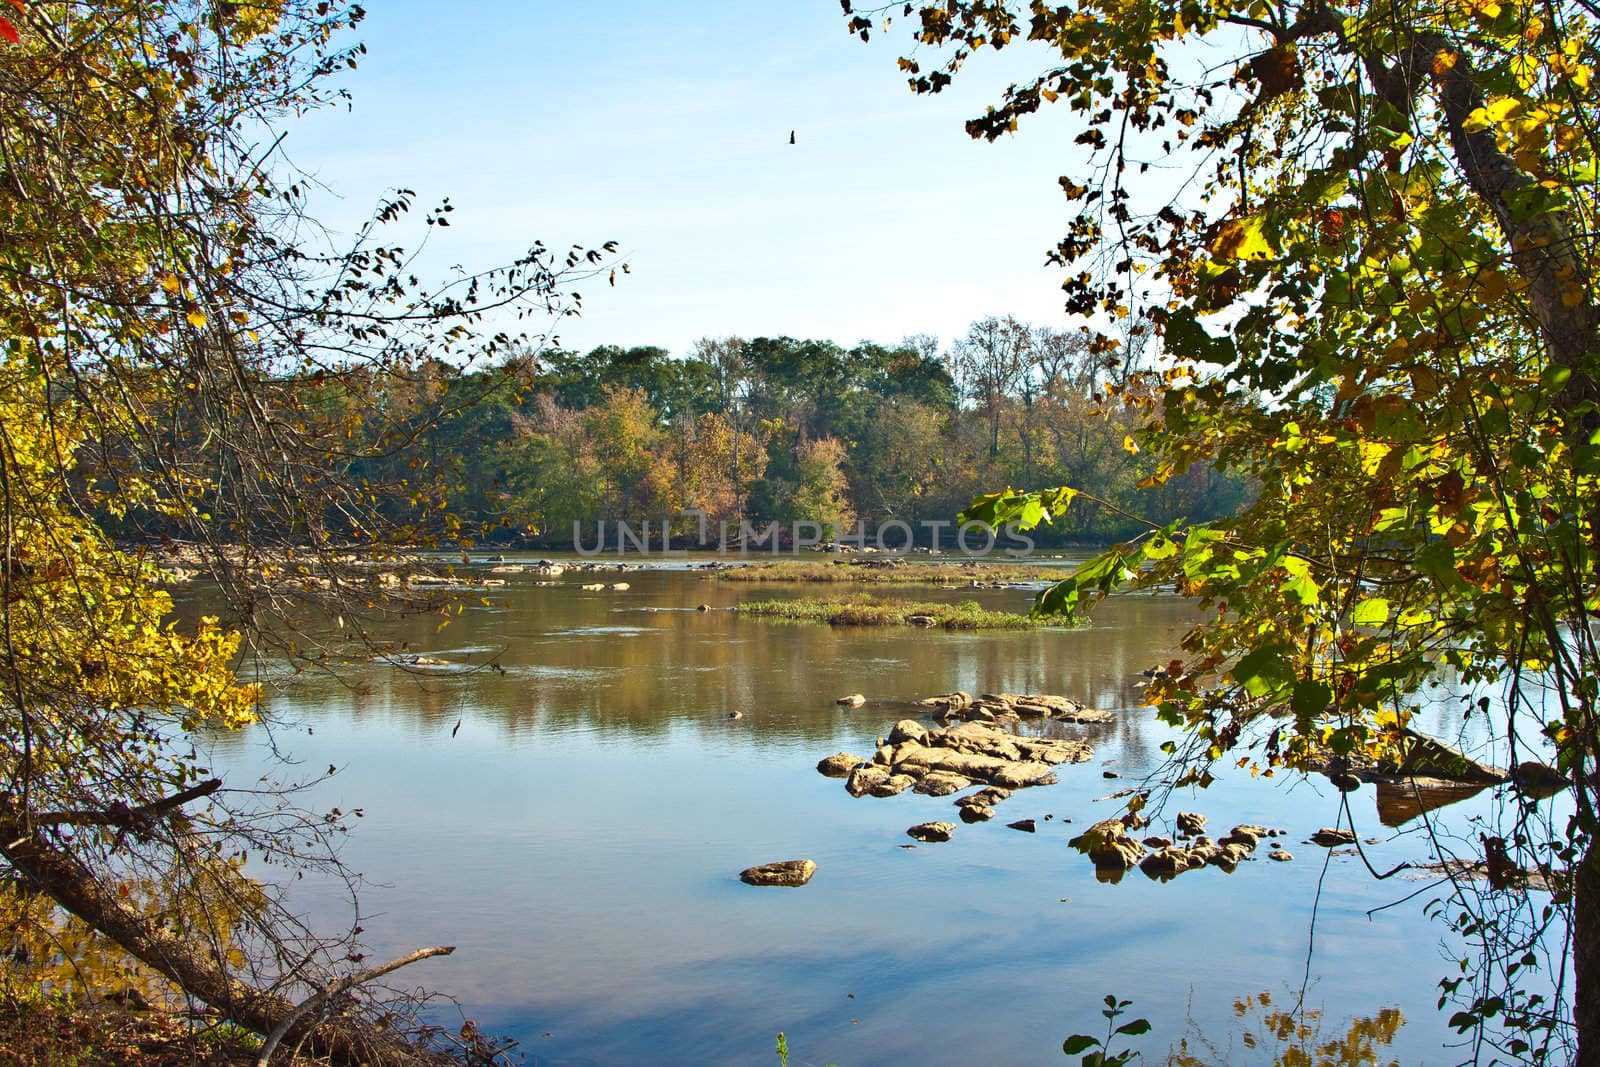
(1010, 708)
(1113, 849)
(972, 749)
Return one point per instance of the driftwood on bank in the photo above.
(75, 888)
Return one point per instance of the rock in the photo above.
(941, 783)
(986, 798)
(1158, 842)
(865, 778)
(703, 607)
(1279, 855)
(933, 831)
(1169, 862)
(619, 586)
(1190, 822)
(1329, 837)
(908, 730)
(976, 813)
(593, 587)
(1084, 716)
(1427, 757)
(1108, 845)
(854, 700)
(1345, 782)
(839, 765)
(1027, 826)
(786, 872)
(1110, 774)
(1248, 836)
(922, 620)
(735, 714)
(896, 784)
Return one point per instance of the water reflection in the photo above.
(579, 838)
(1290, 1036)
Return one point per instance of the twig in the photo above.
(318, 998)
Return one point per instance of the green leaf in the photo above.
(1262, 672)
(1133, 1029)
(1077, 1043)
(1373, 611)
(1310, 697)
(1185, 337)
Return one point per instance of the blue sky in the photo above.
(665, 127)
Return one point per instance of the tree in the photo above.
(1377, 292)
(176, 359)
(990, 363)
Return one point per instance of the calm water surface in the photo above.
(579, 839)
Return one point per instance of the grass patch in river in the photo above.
(863, 610)
(882, 571)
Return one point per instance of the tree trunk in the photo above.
(75, 888)
(1586, 956)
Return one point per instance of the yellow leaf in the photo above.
(1243, 239)
(196, 318)
(1443, 60)
(1130, 446)
(170, 283)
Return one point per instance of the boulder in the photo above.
(619, 586)
(593, 587)
(854, 700)
(894, 785)
(908, 730)
(922, 620)
(941, 783)
(1426, 757)
(785, 872)
(977, 813)
(839, 765)
(1280, 855)
(933, 831)
(1027, 826)
(1328, 837)
(865, 778)
(1190, 823)
(985, 798)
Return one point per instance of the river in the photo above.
(575, 822)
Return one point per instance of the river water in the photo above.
(578, 836)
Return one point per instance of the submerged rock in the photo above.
(785, 872)
(1027, 826)
(1328, 837)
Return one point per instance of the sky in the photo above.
(665, 127)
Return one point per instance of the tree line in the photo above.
(768, 430)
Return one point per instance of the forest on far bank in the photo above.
(761, 430)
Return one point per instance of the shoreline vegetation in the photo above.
(894, 572)
(864, 610)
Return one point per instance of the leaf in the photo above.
(1373, 611)
(1077, 1043)
(1262, 672)
(196, 318)
(1135, 1028)
(1243, 239)
(9, 32)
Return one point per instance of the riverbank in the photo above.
(53, 1032)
